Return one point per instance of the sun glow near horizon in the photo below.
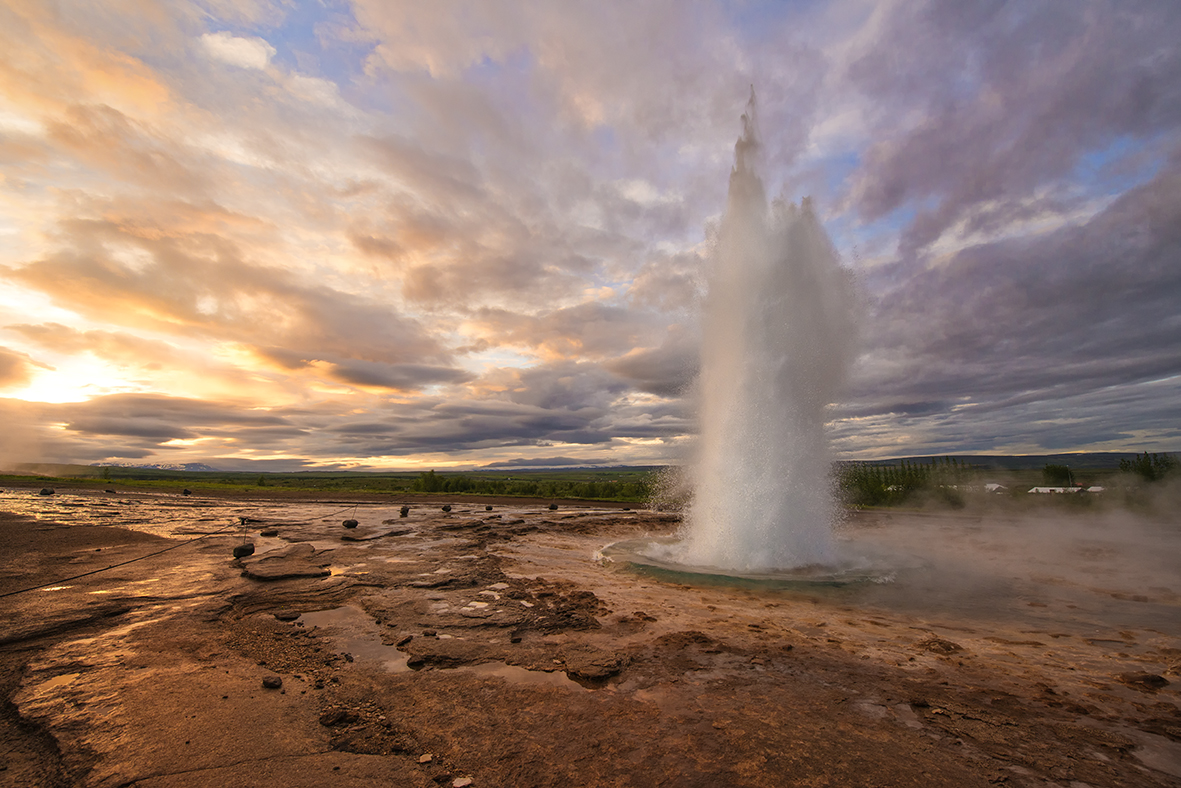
(397, 235)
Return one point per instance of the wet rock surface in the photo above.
(491, 647)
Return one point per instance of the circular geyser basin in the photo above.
(637, 555)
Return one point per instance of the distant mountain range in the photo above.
(1016, 462)
(1077, 461)
(157, 466)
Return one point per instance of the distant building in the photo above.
(993, 487)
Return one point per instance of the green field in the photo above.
(951, 482)
(613, 484)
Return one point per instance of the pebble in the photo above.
(287, 615)
(426, 758)
(272, 682)
(461, 782)
(350, 523)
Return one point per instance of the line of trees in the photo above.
(1150, 467)
(865, 484)
(606, 490)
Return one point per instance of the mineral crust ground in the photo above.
(489, 645)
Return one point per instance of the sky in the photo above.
(398, 235)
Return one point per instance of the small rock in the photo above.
(938, 646)
(404, 640)
(429, 633)
(287, 615)
(46, 491)
(553, 507)
(350, 523)
(461, 782)
(425, 758)
(488, 508)
(243, 550)
(404, 511)
(446, 507)
(594, 667)
(272, 682)
(112, 492)
(187, 492)
(269, 532)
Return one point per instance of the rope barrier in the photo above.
(242, 520)
(115, 566)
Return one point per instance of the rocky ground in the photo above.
(485, 646)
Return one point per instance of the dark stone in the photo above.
(350, 523)
(1143, 681)
(243, 550)
(187, 492)
(334, 717)
(488, 508)
(405, 510)
(553, 507)
(404, 640)
(446, 507)
(112, 492)
(269, 532)
(287, 615)
(45, 491)
(272, 682)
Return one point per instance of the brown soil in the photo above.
(513, 659)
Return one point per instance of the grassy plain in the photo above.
(612, 484)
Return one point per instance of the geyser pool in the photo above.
(778, 340)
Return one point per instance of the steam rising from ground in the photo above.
(778, 341)
(1095, 569)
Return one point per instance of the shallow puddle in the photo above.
(355, 633)
(518, 675)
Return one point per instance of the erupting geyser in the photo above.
(778, 340)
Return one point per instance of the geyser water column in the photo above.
(778, 340)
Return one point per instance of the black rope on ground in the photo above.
(345, 509)
(242, 520)
(114, 566)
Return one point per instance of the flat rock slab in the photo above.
(300, 560)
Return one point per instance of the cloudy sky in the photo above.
(381, 234)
